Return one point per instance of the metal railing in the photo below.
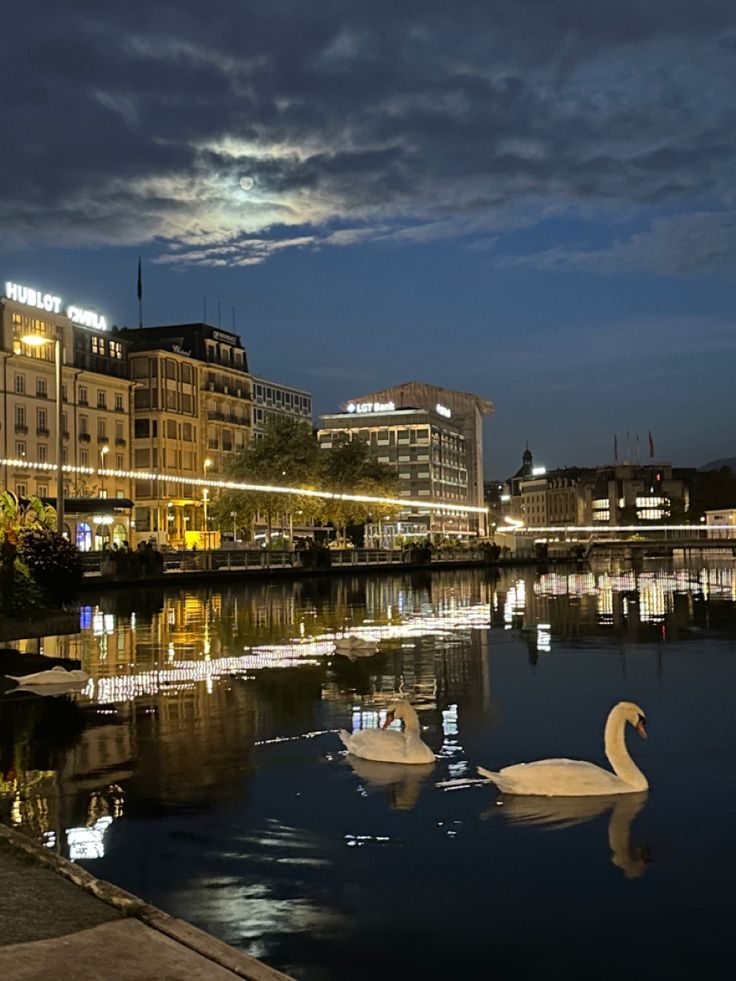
(97, 564)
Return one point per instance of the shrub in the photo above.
(54, 563)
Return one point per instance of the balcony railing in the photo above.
(21, 428)
(85, 438)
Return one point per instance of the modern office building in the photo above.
(95, 415)
(434, 446)
(192, 416)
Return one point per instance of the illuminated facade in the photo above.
(95, 407)
(192, 417)
(624, 493)
(427, 451)
(463, 412)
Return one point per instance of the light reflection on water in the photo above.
(201, 767)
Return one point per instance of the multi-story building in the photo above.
(428, 449)
(192, 416)
(622, 493)
(272, 398)
(95, 415)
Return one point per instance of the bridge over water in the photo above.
(588, 540)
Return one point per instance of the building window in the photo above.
(41, 390)
(20, 384)
(43, 490)
(43, 453)
(20, 450)
(83, 396)
(84, 458)
(116, 350)
(42, 421)
(84, 425)
(102, 429)
(119, 407)
(101, 400)
(119, 461)
(119, 432)
(21, 490)
(20, 418)
(98, 345)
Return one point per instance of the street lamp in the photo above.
(38, 340)
(103, 453)
(205, 494)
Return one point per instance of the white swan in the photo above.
(575, 778)
(388, 746)
(54, 676)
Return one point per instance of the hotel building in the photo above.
(192, 416)
(95, 415)
(432, 438)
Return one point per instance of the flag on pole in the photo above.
(615, 447)
(651, 446)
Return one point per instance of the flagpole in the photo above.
(140, 294)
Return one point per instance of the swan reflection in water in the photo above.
(558, 813)
(402, 784)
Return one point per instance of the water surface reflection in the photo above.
(201, 766)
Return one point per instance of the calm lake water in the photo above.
(202, 770)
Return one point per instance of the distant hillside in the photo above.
(717, 464)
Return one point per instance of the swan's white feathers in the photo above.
(577, 778)
(388, 745)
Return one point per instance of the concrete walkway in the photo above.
(60, 923)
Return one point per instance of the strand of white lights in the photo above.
(605, 529)
(237, 485)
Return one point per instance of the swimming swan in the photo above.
(575, 778)
(388, 746)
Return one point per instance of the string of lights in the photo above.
(241, 486)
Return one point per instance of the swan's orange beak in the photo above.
(389, 720)
(641, 727)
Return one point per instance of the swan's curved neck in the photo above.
(411, 721)
(617, 753)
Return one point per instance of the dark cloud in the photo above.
(355, 121)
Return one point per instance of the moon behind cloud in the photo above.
(247, 183)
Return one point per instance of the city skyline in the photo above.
(528, 203)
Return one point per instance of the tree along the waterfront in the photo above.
(288, 455)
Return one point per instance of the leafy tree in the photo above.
(287, 454)
(348, 468)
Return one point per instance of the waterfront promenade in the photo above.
(58, 921)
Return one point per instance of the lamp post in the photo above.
(103, 453)
(38, 340)
(205, 494)
(234, 516)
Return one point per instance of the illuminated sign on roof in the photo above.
(31, 297)
(361, 407)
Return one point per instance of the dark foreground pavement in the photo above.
(60, 923)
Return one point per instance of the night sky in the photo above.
(533, 200)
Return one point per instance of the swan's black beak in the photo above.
(641, 727)
(389, 720)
